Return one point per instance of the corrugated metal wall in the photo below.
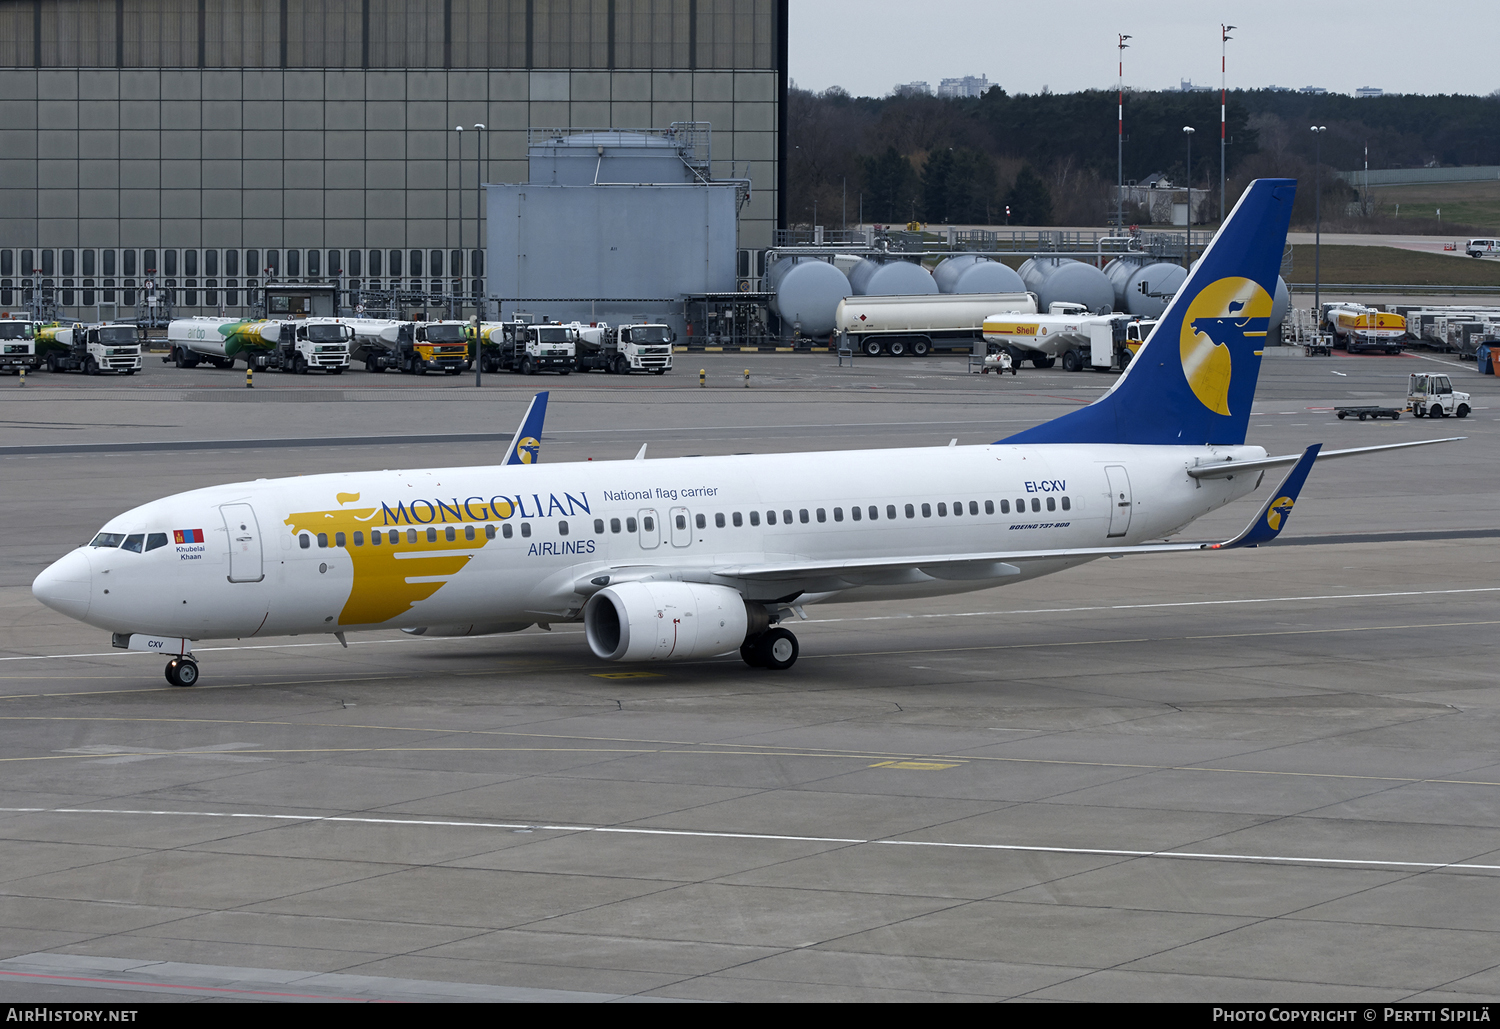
(513, 34)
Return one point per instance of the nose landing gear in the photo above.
(182, 671)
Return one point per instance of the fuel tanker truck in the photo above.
(18, 345)
(414, 348)
(299, 345)
(919, 324)
(1070, 333)
(91, 349)
(1356, 328)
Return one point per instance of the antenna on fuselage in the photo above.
(641, 454)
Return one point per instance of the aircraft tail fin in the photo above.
(1193, 381)
(526, 445)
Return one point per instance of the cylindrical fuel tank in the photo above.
(1158, 277)
(970, 273)
(807, 291)
(1280, 304)
(1055, 279)
(890, 279)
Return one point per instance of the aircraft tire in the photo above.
(182, 671)
(777, 649)
(750, 653)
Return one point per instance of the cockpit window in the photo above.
(134, 543)
(156, 539)
(108, 539)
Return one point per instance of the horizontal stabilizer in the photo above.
(1226, 469)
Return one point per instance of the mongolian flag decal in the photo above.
(187, 536)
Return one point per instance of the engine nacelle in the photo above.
(669, 621)
(466, 630)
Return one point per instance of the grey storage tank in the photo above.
(808, 291)
(1127, 275)
(1062, 279)
(970, 273)
(890, 279)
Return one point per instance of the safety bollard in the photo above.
(747, 378)
(249, 377)
(23, 377)
(702, 375)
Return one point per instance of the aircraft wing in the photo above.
(825, 576)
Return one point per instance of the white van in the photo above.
(1483, 247)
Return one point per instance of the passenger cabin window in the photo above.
(630, 525)
(304, 541)
(562, 528)
(614, 525)
(911, 512)
(507, 530)
(338, 539)
(1067, 504)
(855, 513)
(926, 511)
(1004, 507)
(702, 522)
(1051, 503)
(719, 520)
(754, 519)
(599, 527)
(989, 507)
(890, 512)
(525, 530)
(1036, 504)
(770, 517)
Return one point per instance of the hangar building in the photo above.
(206, 144)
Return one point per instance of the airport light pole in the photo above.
(1188, 130)
(1317, 131)
(1223, 113)
(479, 128)
(1119, 144)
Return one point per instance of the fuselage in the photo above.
(507, 546)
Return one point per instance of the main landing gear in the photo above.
(776, 648)
(182, 671)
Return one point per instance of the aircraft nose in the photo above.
(66, 585)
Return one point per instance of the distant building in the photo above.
(912, 89)
(1315, 90)
(1279, 89)
(1364, 91)
(969, 85)
(1187, 86)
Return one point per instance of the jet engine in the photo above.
(669, 621)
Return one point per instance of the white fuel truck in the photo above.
(625, 349)
(298, 345)
(17, 345)
(920, 324)
(91, 349)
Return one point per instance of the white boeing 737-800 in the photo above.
(692, 558)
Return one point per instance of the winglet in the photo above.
(1273, 517)
(526, 445)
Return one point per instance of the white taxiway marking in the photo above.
(424, 823)
(819, 621)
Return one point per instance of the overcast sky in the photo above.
(1401, 46)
